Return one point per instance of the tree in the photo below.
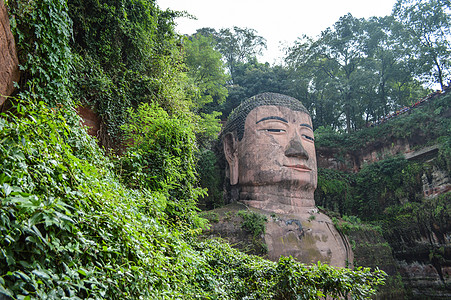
(253, 78)
(140, 64)
(355, 72)
(239, 45)
(207, 71)
(333, 60)
(427, 35)
(392, 70)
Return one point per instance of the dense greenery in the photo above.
(78, 224)
(391, 181)
(420, 126)
(140, 64)
(368, 193)
(161, 158)
(354, 73)
(382, 208)
(71, 230)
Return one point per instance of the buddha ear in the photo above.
(231, 154)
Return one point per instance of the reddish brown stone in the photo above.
(89, 119)
(9, 63)
(274, 165)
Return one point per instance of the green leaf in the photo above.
(6, 189)
(40, 274)
(82, 271)
(5, 291)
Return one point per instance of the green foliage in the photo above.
(427, 31)
(410, 221)
(355, 72)
(369, 192)
(353, 223)
(141, 64)
(253, 222)
(71, 230)
(421, 125)
(207, 70)
(334, 191)
(211, 178)
(69, 227)
(252, 78)
(62, 216)
(237, 45)
(42, 30)
(257, 278)
(212, 217)
(444, 155)
(161, 157)
(386, 183)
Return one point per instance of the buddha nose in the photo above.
(295, 149)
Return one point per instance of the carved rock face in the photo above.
(274, 164)
(277, 148)
(9, 64)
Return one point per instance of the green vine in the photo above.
(42, 30)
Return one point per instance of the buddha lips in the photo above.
(300, 168)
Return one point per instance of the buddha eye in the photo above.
(308, 137)
(274, 130)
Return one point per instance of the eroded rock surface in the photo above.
(9, 63)
(309, 237)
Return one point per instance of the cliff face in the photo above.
(417, 230)
(9, 63)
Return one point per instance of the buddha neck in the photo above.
(277, 194)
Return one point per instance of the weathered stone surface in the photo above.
(9, 63)
(90, 119)
(270, 150)
(424, 281)
(308, 236)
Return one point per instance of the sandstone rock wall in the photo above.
(9, 63)
(90, 119)
(307, 236)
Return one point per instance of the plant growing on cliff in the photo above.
(253, 222)
(161, 157)
(69, 228)
(42, 30)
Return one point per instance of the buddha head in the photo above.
(269, 146)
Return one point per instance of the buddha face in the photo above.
(277, 148)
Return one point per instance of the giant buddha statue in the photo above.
(269, 145)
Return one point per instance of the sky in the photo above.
(280, 22)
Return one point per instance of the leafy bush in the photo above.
(368, 193)
(161, 157)
(335, 190)
(421, 125)
(211, 177)
(42, 30)
(382, 184)
(410, 221)
(253, 222)
(127, 53)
